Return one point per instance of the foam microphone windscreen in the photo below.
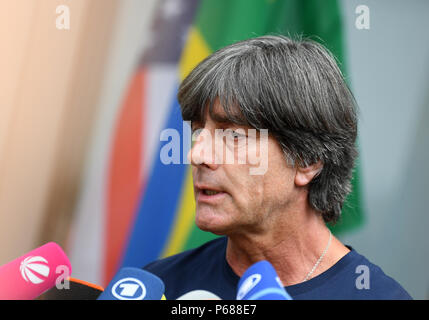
(199, 295)
(28, 276)
(133, 284)
(261, 282)
(73, 289)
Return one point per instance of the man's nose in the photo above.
(203, 150)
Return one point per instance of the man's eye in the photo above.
(236, 134)
(196, 133)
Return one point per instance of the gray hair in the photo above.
(294, 89)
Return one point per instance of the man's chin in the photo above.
(215, 230)
(211, 226)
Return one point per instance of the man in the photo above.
(294, 91)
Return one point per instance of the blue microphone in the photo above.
(261, 282)
(133, 284)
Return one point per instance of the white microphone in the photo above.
(199, 295)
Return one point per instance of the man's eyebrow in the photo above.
(195, 123)
(221, 119)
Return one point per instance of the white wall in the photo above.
(389, 70)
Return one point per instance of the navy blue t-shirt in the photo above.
(206, 268)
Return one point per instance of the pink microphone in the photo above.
(32, 274)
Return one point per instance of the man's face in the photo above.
(243, 195)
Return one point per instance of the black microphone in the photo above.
(73, 289)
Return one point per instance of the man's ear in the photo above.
(305, 174)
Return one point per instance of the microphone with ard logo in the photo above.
(261, 282)
(134, 284)
(28, 276)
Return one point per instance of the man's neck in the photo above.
(292, 250)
